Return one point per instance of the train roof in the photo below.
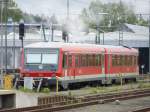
(82, 47)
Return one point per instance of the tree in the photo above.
(118, 13)
(15, 14)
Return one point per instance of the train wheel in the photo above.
(134, 80)
(126, 81)
(65, 86)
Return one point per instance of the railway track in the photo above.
(146, 109)
(82, 101)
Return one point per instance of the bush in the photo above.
(25, 89)
(45, 90)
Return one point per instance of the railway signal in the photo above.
(65, 32)
(21, 31)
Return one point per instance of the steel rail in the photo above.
(80, 102)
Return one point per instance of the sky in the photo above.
(59, 7)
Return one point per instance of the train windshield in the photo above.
(42, 58)
(39, 59)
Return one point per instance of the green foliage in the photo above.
(144, 85)
(15, 12)
(45, 90)
(25, 89)
(117, 13)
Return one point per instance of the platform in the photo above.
(7, 99)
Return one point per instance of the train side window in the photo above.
(83, 60)
(79, 57)
(97, 60)
(70, 61)
(126, 60)
(121, 60)
(87, 60)
(135, 60)
(118, 61)
(77, 60)
(130, 61)
(90, 60)
(113, 60)
(109, 62)
(100, 59)
(93, 59)
(64, 61)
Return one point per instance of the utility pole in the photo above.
(52, 39)
(1, 21)
(6, 3)
(14, 45)
(67, 9)
(149, 37)
(120, 28)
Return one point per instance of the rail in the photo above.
(81, 101)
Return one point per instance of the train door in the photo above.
(77, 70)
(102, 63)
(73, 66)
(70, 65)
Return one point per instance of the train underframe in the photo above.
(78, 83)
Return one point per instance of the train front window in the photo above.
(49, 58)
(33, 58)
(39, 59)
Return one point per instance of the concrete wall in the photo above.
(7, 100)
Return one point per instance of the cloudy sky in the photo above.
(48, 7)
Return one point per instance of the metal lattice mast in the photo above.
(149, 36)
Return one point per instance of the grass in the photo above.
(144, 85)
(117, 88)
(25, 89)
(45, 90)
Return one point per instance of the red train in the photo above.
(73, 63)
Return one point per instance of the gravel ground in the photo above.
(124, 106)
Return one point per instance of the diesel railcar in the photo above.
(72, 63)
